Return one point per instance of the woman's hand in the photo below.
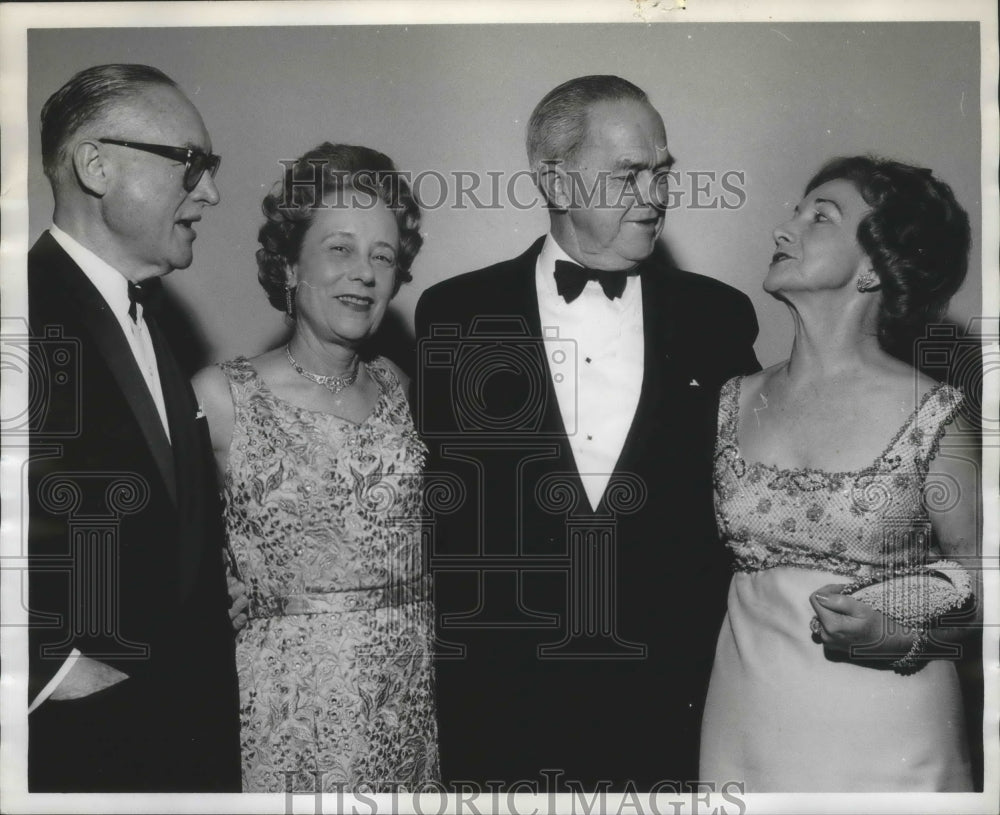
(239, 603)
(849, 627)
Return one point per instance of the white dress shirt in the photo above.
(113, 287)
(595, 349)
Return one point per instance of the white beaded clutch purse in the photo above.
(918, 597)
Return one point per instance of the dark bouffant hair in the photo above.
(917, 237)
(327, 170)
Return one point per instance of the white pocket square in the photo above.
(694, 383)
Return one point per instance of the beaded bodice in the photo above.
(858, 523)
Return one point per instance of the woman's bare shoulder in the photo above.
(211, 385)
(215, 403)
(754, 384)
(270, 361)
(396, 371)
(901, 384)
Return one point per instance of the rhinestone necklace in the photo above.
(334, 384)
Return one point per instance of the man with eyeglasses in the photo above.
(132, 681)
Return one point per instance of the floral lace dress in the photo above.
(323, 517)
(780, 716)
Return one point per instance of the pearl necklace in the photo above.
(334, 384)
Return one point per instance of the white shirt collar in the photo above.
(113, 288)
(546, 264)
(545, 279)
(112, 284)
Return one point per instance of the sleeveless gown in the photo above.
(323, 519)
(780, 716)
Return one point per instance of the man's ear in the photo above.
(555, 184)
(90, 167)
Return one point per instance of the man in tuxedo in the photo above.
(132, 683)
(568, 397)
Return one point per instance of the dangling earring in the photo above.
(289, 303)
(867, 281)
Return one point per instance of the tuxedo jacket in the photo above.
(125, 537)
(573, 644)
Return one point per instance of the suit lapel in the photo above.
(661, 372)
(663, 364)
(97, 317)
(524, 301)
(181, 408)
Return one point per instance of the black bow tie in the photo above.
(571, 278)
(147, 294)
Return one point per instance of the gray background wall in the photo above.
(771, 101)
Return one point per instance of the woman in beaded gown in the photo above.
(828, 470)
(322, 477)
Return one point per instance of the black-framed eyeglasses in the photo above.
(195, 161)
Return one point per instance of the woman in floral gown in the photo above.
(829, 469)
(322, 476)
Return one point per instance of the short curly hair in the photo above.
(293, 201)
(917, 237)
